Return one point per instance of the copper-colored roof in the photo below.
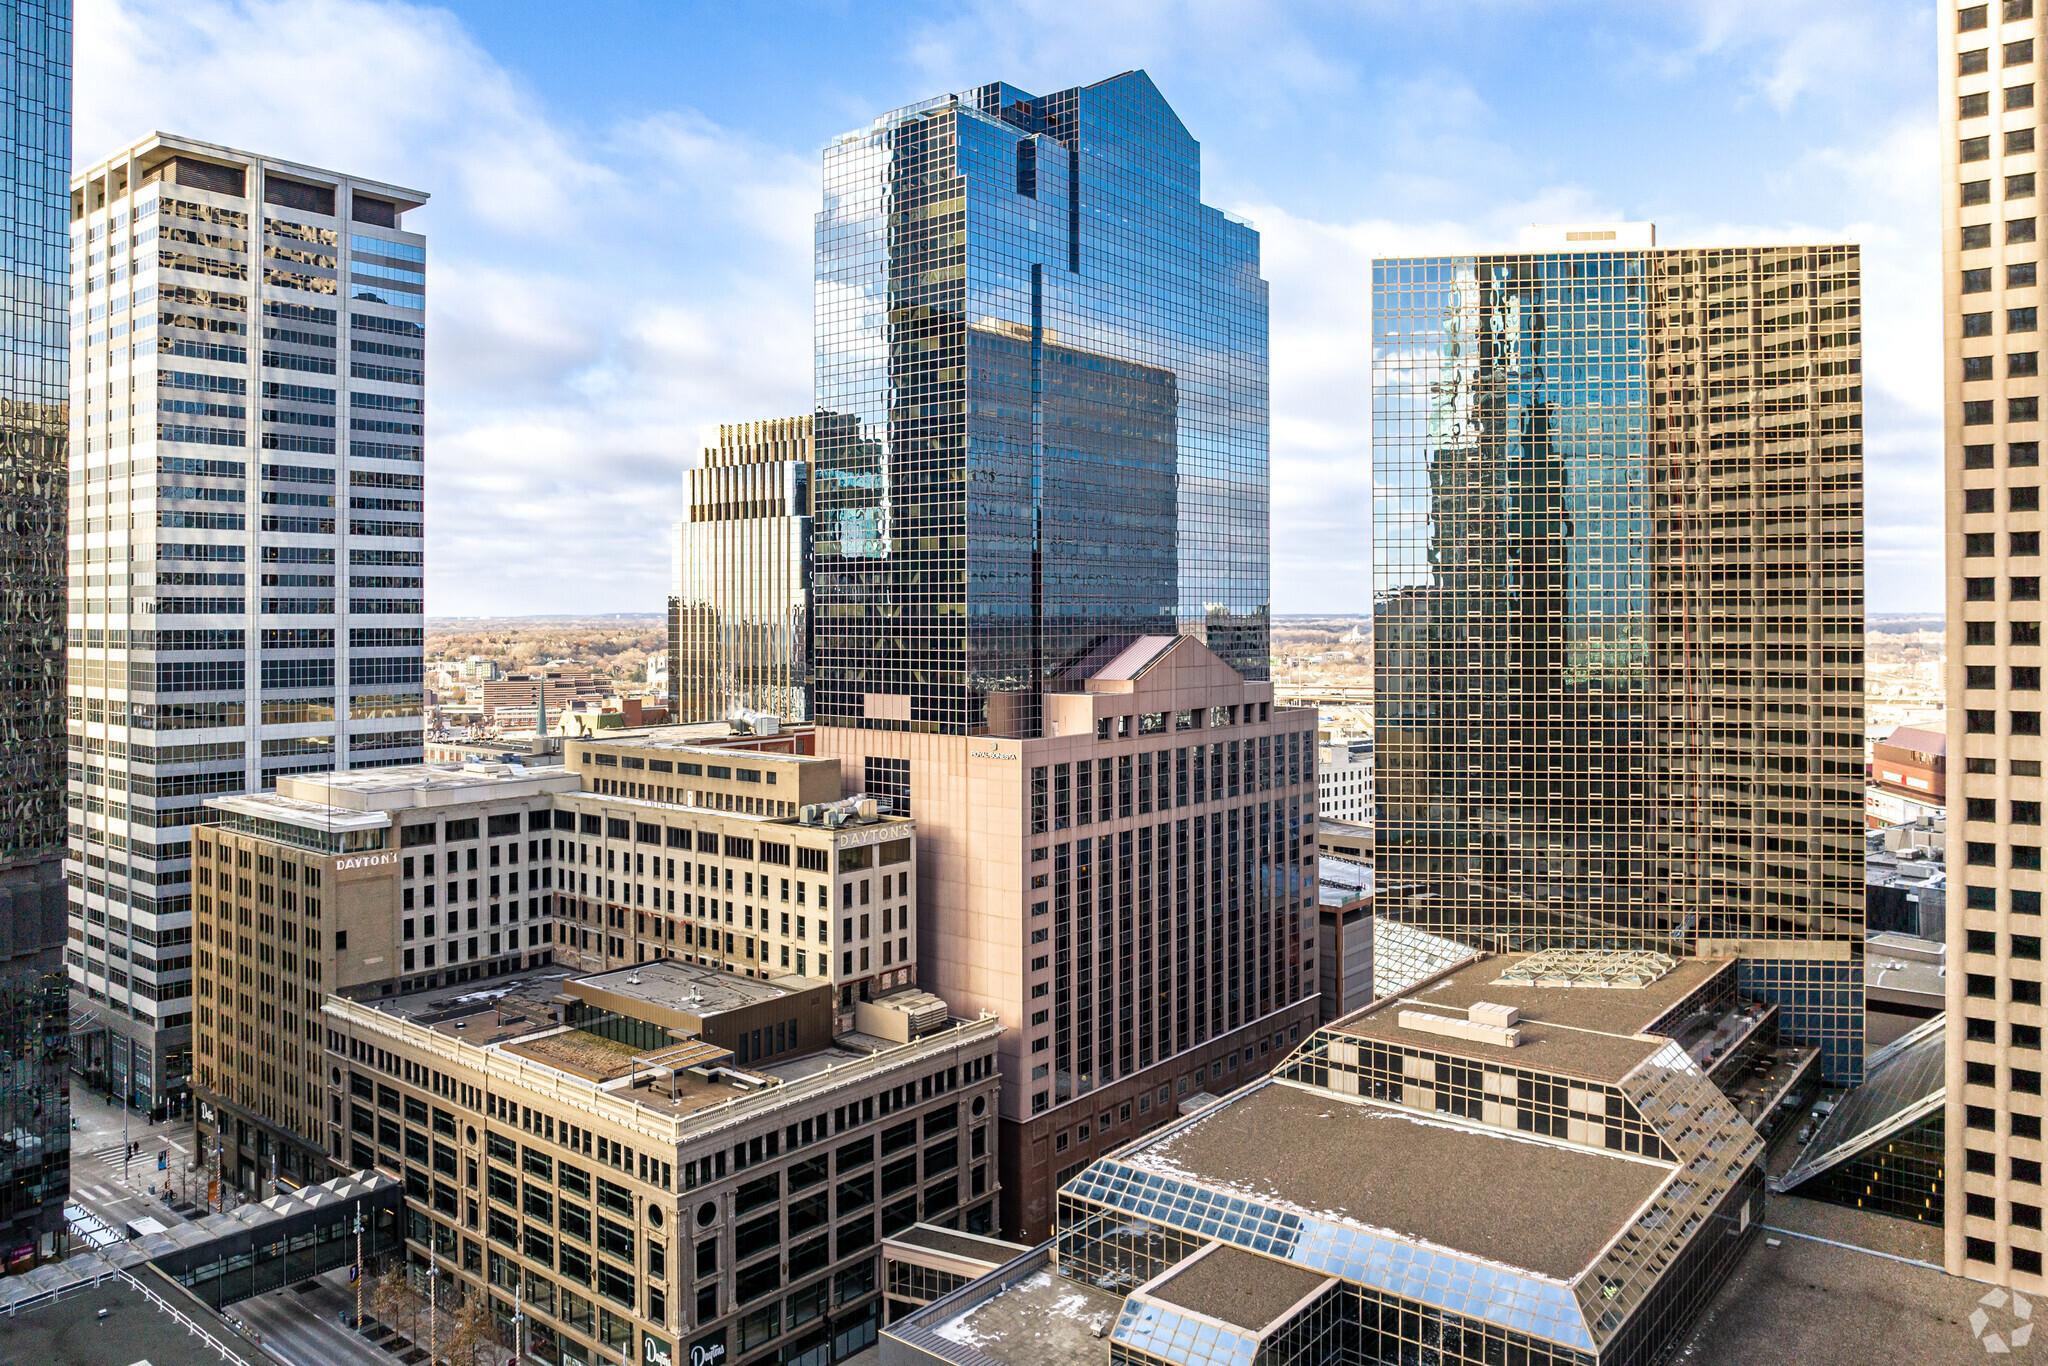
(1918, 740)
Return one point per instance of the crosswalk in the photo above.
(113, 1159)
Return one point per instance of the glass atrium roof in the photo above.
(1630, 968)
(1903, 1083)
(1516, 1300)
(1403, 955)
(1170, 1334)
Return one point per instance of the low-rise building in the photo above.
(1908, 777)
(1344, 925)
(1344, 778)
(667, 1162)
(1523, 1160)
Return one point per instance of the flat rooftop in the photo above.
(516, 1005)
(294, 811)
(992, 1252)
(1043, 1320)
(1238, 1287)
(710, 737)
(692, 989)
(430, 784)
(1527, 1202)
(1581, 1031)
(1805, 1302)
(521, 1016)
(69, 1332)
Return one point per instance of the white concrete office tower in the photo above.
(245, 599)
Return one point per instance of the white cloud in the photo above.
(1255, 51)
(595, 303)
(599, 300)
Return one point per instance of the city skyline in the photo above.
(638, 251)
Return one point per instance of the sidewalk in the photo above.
(105, 1178)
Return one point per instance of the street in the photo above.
(303, 1328)
(112, 1185)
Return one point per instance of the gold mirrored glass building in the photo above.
(739, 619)
(1619, 607)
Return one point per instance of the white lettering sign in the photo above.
(992, 754)
(707, 1354)
(383, 860)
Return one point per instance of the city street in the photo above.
(303, 1327)
(113, 1186)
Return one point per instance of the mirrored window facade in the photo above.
(35, 159)
(1618, 609)
(741, 619)
(1041, 406)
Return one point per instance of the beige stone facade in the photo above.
(627, 1161)
(1991, 296)
(707, 854)
(313, 891)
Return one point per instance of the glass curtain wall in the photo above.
(1041, 405)
(35, 159)
(1618, 609)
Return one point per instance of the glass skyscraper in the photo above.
(1618, 609)
(1041, 406)
(35, 160)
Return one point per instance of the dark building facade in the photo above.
(1619, 610)
(1042, 413)
(35, 159)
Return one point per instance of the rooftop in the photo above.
(1529, 1203)
(1042, 1320)
(362, 801)
(689, 989)
(709, 736)
(1237, 1286)
(1583, 1031)
(293, 811)
(1341, 880)
(993, 1252)
(1794, 1300)
(522, 1017)
(517, 1005)
(67, 1330)
(1918, 740)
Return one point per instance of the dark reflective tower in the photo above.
(1619, 609)
(35, 159)
(1041, 389)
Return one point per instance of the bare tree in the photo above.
(394, 1301)
(472, 1337)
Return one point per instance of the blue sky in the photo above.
(620, 235)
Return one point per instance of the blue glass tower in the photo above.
(35, 210)
(1041, 406)
(1618, 610)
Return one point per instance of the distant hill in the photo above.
(1902, 623)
